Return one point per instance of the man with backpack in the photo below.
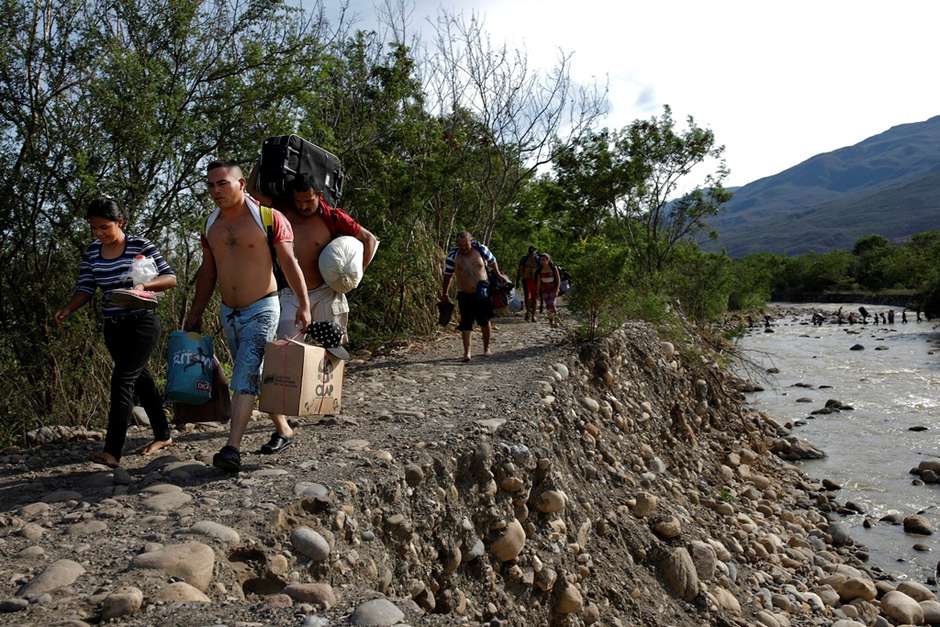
(237, 256)
(315, 224)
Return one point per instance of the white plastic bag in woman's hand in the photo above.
(143, 270)
(341, 264)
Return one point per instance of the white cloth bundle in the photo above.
(341, 264)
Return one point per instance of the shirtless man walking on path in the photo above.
(315, 224)
(469, 261)
(236, 255)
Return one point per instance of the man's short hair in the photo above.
(223, 163)
(305, 183)
(464, 235)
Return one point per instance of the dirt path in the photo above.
(92, 532)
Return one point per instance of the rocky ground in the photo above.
(620, 483)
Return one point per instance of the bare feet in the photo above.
(487, 353)
(102, 457)
(156, 445)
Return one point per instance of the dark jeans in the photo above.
(130, 340)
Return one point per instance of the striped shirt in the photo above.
(451, 260)
(109, 274)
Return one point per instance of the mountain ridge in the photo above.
(884, 184)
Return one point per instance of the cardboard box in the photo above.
(300, 380)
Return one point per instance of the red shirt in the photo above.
(338, 221)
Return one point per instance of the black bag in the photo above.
(285, 157)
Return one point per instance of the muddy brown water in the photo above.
(870, 450)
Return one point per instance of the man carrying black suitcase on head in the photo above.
(315, 224)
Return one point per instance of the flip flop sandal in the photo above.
(276, 444)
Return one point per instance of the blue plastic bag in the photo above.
(189, 368)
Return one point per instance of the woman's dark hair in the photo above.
(106, 208)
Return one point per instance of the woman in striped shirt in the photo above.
(131, 328)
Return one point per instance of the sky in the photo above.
(778, 82)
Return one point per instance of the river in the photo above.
(870, 450)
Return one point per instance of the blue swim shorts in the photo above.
(247, 330)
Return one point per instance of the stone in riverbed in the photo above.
(931, 612)
(917, 591)
(377, 612)
(726, 601)
(308, 542)
(211, 529)
(121, 602)
(167, 501)
(192, 562)
(902, 609)
(678, 572)
(856, 588)
(793, 449)
(705, 559)
(917, 525)
(667, 529)
(58, 575)
(569, 600)
(645, 504)
(840, 535)
(182, 592)
(552, 501)
(319, 594)
(510, 544)
(857, 347)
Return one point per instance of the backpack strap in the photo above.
(267, 219)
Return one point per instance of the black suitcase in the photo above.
(285, 157)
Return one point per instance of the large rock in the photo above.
(678, 572)
(856, 588)
(917, 591)
(726, 601)
(308, 542)
(931, 612)
(378, 613)
(182, 592)
(166, 501)
(192, 562)
(704, 558)
(668, 529)
(917, 525)
(59, 574)
(645, 504)
(902, 609)
(215, 530)
(320, 594)
(793, 449)
(510, 544)
(569, 600)
(552, 501)
(121, 603)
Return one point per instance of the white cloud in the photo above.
(777, 81)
